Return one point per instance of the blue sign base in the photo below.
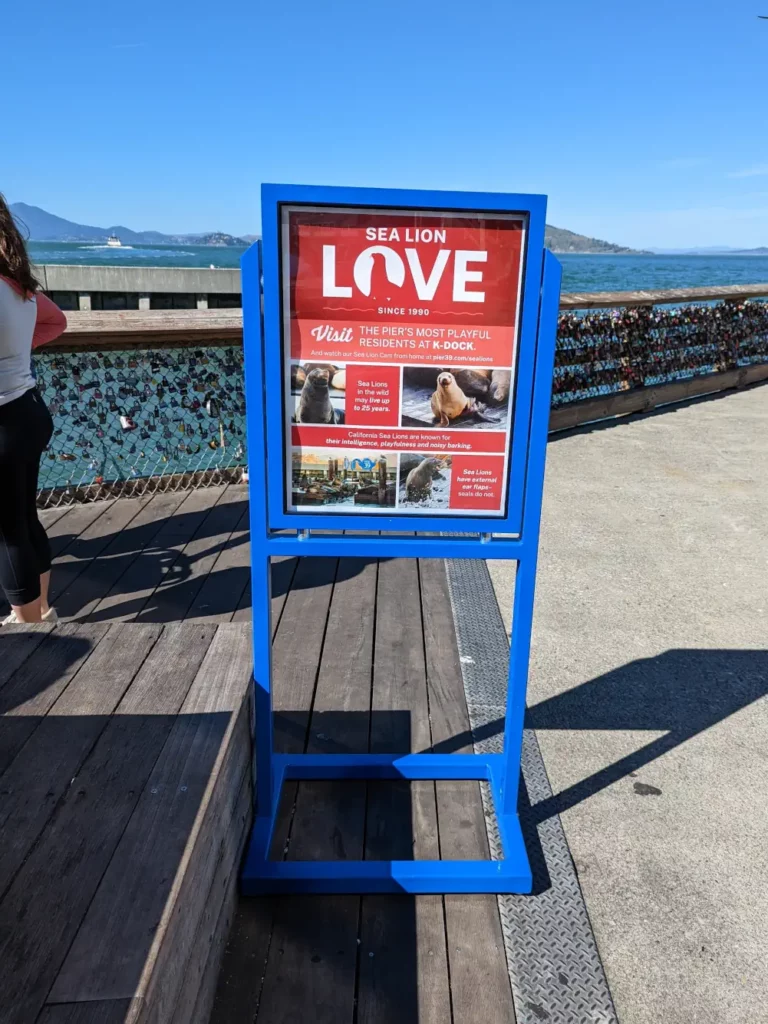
(512, 874)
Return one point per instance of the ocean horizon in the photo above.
(582, 272)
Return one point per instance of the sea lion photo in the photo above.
(449, 401)
(474, 383)
(498, 393)
(459, 397)
(418, 483)
(315, 403)
(330, 367)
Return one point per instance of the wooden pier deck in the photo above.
(123, 785)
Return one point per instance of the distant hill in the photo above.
(40, 226)
(714, 250)
(560, 240)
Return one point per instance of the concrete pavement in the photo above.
(648, 692)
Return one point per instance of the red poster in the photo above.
(400, 350)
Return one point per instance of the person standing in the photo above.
(28, 319)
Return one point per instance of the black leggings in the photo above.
(25, 430)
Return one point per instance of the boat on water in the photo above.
(114, 242)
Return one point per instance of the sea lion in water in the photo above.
(449, 401)
(418, 483)
(315, 403)
(498, 393)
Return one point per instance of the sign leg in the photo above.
(525, 580)
(261, 600)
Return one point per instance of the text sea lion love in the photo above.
(425, 279)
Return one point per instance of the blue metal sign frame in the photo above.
(263, 344)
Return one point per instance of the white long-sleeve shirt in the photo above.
(25, 322)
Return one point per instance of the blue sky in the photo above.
(644, 123)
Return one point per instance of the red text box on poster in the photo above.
(321, 436)
(373, 396)
(477, 483)
(313, 341)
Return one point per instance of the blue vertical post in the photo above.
(525, 578)
(261, 596)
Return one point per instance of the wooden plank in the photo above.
(94, 539)
(222, 590)
(39, 775)
(283, 570)
(403, 962)
(80, 599)
(28, 696)
(240, 979)
(171, 601)
(447, 700)
(674, 296)
(194, 326)
(49, 516)
(340, 721)
(17, 643)
(310, 972)
(147, 885)
(42, 910)
(65, 529)
(399, 683)
(69, 527)
(297, 648)
(194, 1002)
(128, 596)
(480, 986)
(119, 1011)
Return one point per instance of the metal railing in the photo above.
(155, 401)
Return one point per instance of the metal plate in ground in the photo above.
(554, 965)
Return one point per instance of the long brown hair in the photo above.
(14, 261)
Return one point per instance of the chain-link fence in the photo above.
(141, 419)
(600, 353)
(131, 420)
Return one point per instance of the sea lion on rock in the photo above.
(449, 401)
(409, 461)
(498, 392)
(330, 367)
(418, 485)
(298, 376)
(315, 403)
(420, 376)
(474, 383)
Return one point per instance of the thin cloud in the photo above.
(750, 172)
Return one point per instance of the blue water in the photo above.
(90, 253)
(631, 273)
(581, 273)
